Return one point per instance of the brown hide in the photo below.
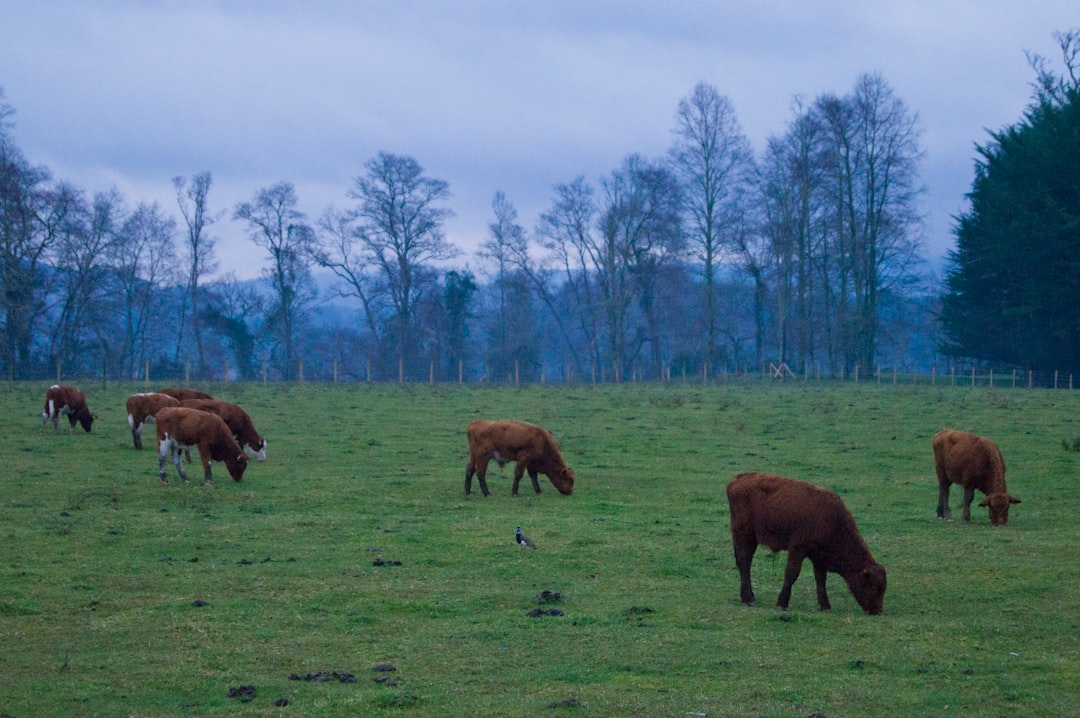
(808, 522)
(68, 400)
(531, 447)
(973, 462)
(238, 422)
(184, 394)
(179, 428)
(142, 408)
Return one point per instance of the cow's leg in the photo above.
(481, 465)
(519, 471)
(943, 500)
(969, 495)
(536, 482)
(179, 464)
(791, 574)
(744, 556)
(163, 451)
(207, 478)
(822, 595)
(470, 469)
(73, 420)
(136, 435)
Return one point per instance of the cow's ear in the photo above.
(1013, 500)
(984, 502)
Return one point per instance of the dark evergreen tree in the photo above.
(1014, 279)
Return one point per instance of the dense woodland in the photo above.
(708, 259)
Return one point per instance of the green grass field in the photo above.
(121, 596)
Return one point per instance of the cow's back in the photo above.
(505, 435)
(968, 459)
(778, 511)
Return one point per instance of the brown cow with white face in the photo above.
(238, 422)
(60, 400)
(142, 408)
(180, 428)
(532, 447)
(808, 522)
(973, 462)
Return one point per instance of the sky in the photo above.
(500, 95)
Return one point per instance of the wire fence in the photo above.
(768, 373)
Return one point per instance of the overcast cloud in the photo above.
(500, 95)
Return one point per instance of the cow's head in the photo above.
(563, 480)
(86, 420)
(999, 507)
(237, 465)
(868, 587)
(258, 453)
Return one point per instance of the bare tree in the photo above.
(83, 253)
(715, 163)
(505, 245)
(1049, 86)
(192, 200)
(640, 230)
(33, 212)
(143, 259)
(873, 145)
(339, 251)
(399, 224)
(276, 225)
(791, 202)
(566, 231)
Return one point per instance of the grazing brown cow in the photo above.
(184, 394)
(68, 400)
(530, 446)
(808, 522)
(238, 422)
(973, 462)
(142, 408)
(180, 428)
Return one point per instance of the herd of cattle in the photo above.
(782, 514)
(184, 419)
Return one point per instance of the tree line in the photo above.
(707, 258)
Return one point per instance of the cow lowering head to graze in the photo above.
(184, 394)
(238, 422)
(60, 400)
(141, 409)
(531, 447)
(973, 462)
(808, 522)
(180, 428)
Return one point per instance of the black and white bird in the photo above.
(523, 541)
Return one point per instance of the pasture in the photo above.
(353, 547)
